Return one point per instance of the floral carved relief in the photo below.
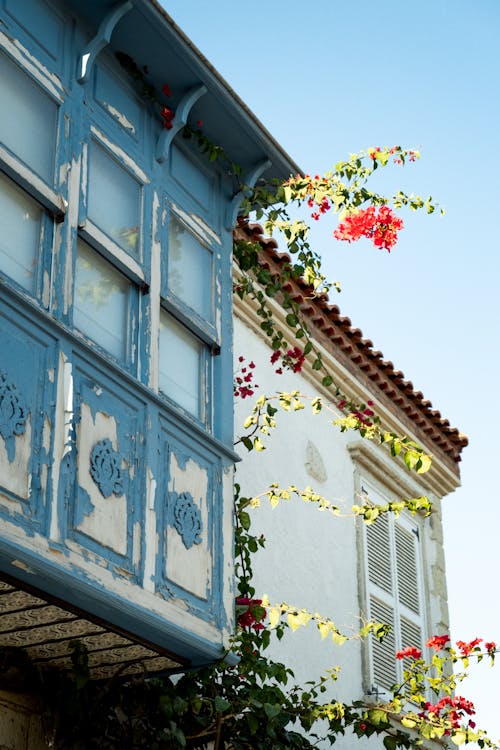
(187, 519)
(13, 415)
(105, 468)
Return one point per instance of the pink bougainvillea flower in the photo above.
(381, 228)
(467, 648)
(437, 642)
(356, 225)
(253, 615)
(293, 359)
(410, 651)
(243, 385)
(454, 709)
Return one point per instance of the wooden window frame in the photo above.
(36, 188)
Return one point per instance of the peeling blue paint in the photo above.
(84, 508)
(64, 441)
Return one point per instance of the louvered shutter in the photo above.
(394, 592)
(411, 635)
(379, 554)
(408, 586)
(381, 585)
(407, 567)
(384, 673)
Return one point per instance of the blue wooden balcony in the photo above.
(115, 337)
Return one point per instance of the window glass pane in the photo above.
(190, 269)
(180, 365)
(101, 301)
(114, 199)
(20, 222)
(28, 125)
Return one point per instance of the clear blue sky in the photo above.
(334, 77)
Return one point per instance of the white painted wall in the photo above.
(311, 559)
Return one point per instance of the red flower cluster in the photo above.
(167, 115)
(292, 360)
(467, 648)
(252, 616)
(243, 385)
(323, 207)
(437, 642)
(381, 228)
(363, 415)
(411, 652)
(455, 707)
(490, 647)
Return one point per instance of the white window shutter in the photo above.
(379, 554)
(384, 672)
(407, 567)
(394, 588)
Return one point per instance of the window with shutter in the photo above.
(394, 591)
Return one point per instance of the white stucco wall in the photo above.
(312, 559)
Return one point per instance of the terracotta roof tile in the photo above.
(340, 333)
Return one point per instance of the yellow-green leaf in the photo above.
(323, 628)
(408, 722)
(274, 616)
(425, 464)
(338, 638)
(258, 444)
(294, 621)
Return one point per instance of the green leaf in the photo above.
(252, 544)
(291, 320)
(396, 447)
(327, 381)
(266, 637)
(221, 704)
(370, 515)
(377, 717)
(272, 710)
(316, 364)
(411, 459)
(244, 520)
(408, 722)
(424, 464)
(390, 743)
(253, 722)
(247, 443)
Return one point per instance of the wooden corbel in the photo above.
(101, 39)
(249, 180)
(181, 116)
